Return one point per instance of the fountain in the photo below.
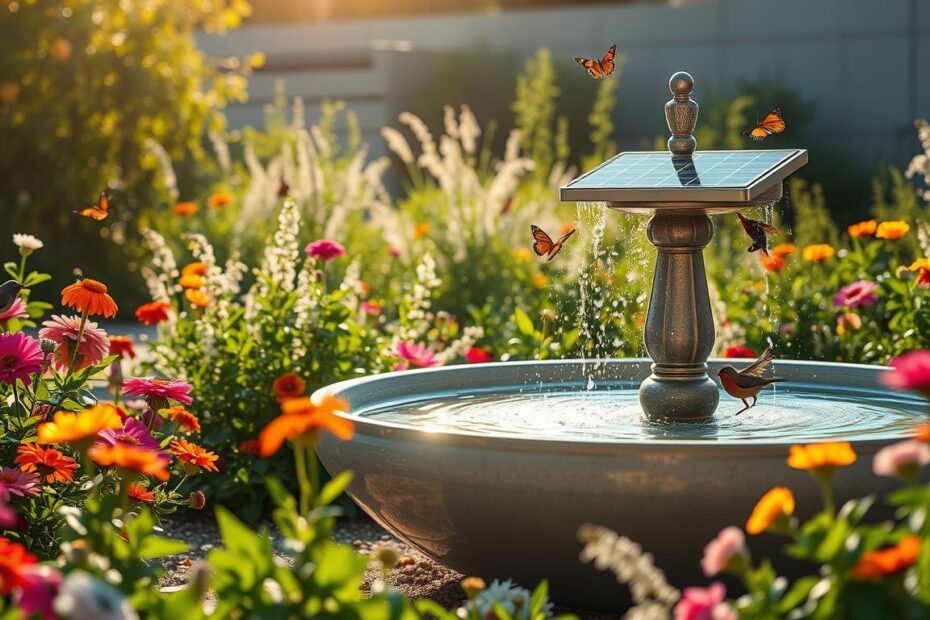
(490, 469)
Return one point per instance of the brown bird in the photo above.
(747, 383)
(757, 232)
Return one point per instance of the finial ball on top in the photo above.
(681, 84)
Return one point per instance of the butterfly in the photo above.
(283, 188)
(543, 244)
(772, 123)
(599, 68)
(98, 211)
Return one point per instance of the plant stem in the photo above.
(827, 493)
(22, 270)
(314, 471)
(77, 346)
(300, 458)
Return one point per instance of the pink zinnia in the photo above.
(36, 595)
(20, 357)
(133, 433)
(16, 311)
(63, 330)
(370, 307)
(476, 355)
(416, 354)
(861, 293)
(719, 551)
(8, 516)
(18, 482)
(739, 351)
(901, 458)
(325, 249)
(160, 389)
(704, 604)
(911, 371)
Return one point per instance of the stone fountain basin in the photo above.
(499, 506)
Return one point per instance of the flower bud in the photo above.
(197, 500)
(473, 586)
(48, 346)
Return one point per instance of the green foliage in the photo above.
(812, 221)
(534, 109)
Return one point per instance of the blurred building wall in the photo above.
(864, 63)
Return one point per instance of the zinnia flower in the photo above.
(141, 494)
(130, 458)
(183, 418)
(184, 209)
(197, 298)
(476, 355)
(63, 330)
(249, 446)
(415, 354)
(153, 312)
(772, 262)
(739, 351)
(289, 385)
(15, 311)
(20, 357)
(220, 200)
(861, 293)
(821, 456)
(910, 371)
(50, 464)
(421, 230)
(848, 320)
(773, 507)
(863, 229)
(901, 459)
(157, 391)
(325, 249)
(14, 564)
(704, 604)
(133, 433)
(893, 230)
(27, 244)
(873, 565)
(80, 427)
(718, 552)
(122, 346)
(35, 596)
(197, 269)
(921, 266)
(302, 420)
(193, 456)
(818, 253)
(89, 296)
(784, 250)
(370, 307)
(18, 482)
(540, 280)
(192, 280)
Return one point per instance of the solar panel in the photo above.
(706, 176)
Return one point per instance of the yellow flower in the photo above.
(70, 427)
(862, 229)
(192, 280)
(521, 255)
(197, 298)
(892, 230)
(817, 456)
(818, 252)
(774, 505)
(539, 280)
(422, 230)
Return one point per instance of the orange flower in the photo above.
(922, 267)
(892, 230)
(51, 464)
(198, 269)
(141, 494)
(422, 230)
(873, 565)
(197, 298)
(193, 456)
(772, 263)
(301, 420)
(539, 280)
(15, 563)
(289, 385)
(184, 209)
(784, 250)
(567, 227)
(89, 296)
(153, 312)
(192, 281)
(863, 229)
(81, 427)
(922, 432)
(130, 458)
(249, 446)
(822, 456)
(220, 200)
(122, 346)
(848, 321)
(777, 504)
(818, 253)
(183, 418)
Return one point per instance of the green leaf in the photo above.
(538, 600)
(797, 594)
(333, 488)
(159, 547)
(12, 269)
(524, 322)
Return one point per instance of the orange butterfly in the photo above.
(543, 244)
(98, 211)
(772, 123)
(599, 68)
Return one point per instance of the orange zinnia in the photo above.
(892, 230)
(51, 464)
(772, 263)
(183, 418)
(822, 456)
(192, 280)
(783, 250)
(219, 200)
(89, 296)
(539, 280)
(422, 230)
(922, 267)
(289, 385)
(301, 419)
(81, 427)
(818, 252)
(15, 564)
(193, 456)
(153, 312)
(184, 208)
(198, 269)
(122, 346)
(131, 458)
(141, 494)
(197, 298)
(777, 504)
(874, 565)
(863, 229)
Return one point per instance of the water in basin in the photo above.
(795, 412)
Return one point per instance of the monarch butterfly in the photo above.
(599, 68)
(772, 123)
(543, 244)
(98, 211)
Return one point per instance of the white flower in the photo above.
(511, 597)
(83, 597)
(27, 242)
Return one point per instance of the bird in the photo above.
(757, 231)
(9, 291)
(747, 383)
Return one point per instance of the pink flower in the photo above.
(16, 311)
(911, 371)
(476, 355)
(395, 251)
(133, 433)
(20, 357)
(415, 354)
(63, 330)
(18, 482)
(8, 516)
(719, 551)
(325, 249)
(739, 351)
(36, 595)
(136, 404)
(157, 388)
(704, 604)
(861, 293)
(904, 455)
(370, 307)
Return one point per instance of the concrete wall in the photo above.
(864, 63)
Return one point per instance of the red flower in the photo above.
(14, 564)
(289, 385)
(738, 350)
(141, 494)
(249, 446)
(476, 355)
(911, 372)
(122, 346)
(154, 312)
